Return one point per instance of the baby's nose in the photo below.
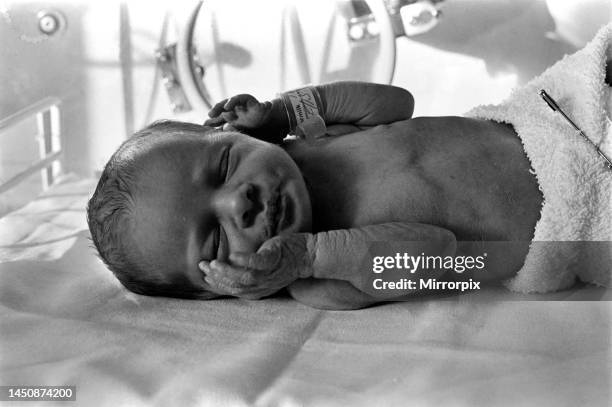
(241, 204)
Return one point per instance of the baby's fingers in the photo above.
(266, 260)
(229, 116)
(215, 121)
(217, 109)
(232, 281)
(226, 275)
(239, 100)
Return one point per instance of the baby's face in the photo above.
(204, 197)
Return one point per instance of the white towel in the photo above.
(575, 183)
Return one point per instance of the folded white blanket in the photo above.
(575, 183)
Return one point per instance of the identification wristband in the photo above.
(304, 110)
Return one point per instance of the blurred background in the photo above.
(79, 77)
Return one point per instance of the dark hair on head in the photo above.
(111, 205)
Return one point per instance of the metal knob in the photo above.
(49, 22)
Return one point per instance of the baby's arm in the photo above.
(330, 294)
(334, 268)
(358, 104)
(342, 272)
(365, 104)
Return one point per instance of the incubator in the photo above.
(303, 47)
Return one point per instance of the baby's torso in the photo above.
(469, 176)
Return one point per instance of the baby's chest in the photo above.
(403, 197)
(360, 183)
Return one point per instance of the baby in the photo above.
(189, 211)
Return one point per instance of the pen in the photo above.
(554, 106)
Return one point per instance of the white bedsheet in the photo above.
(65, 321)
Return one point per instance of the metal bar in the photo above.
(47, 134)
(28, 112)
(33, 169)
(125, 58)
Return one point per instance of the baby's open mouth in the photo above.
(274, 213)
(277, 215)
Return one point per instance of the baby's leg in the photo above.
(329, 294)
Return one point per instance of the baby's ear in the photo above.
(229, 127)
(225, 127)
(208, 128)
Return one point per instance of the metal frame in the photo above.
(190, 72)
(48, 120)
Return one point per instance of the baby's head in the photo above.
(175, 194)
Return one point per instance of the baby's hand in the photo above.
(279, 262)
(242, 112)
